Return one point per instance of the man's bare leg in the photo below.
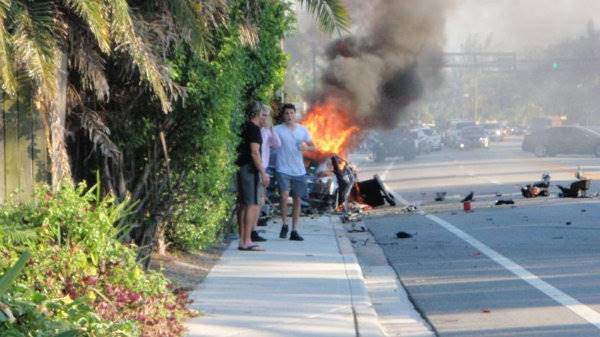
(283, 208)
(249, 218)
(255, 236)
(296, 213)
(294, 236)
(240, 220)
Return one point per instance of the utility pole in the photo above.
(476, 98)
(314, 67)
(282, 46)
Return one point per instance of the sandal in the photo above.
(253, 248)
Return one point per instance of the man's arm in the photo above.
(257, 160)
(274, 140)
(308, 144)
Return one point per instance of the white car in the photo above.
(434, 138)
(427, 139)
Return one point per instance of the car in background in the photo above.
(473, 137)
(452, 135)
(435, 138)
(399, 142)
(428, 139)
(562, 140)
(495, 131)
(516, 130)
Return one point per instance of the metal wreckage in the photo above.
(333, 186)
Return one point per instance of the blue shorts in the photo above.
(296, 185)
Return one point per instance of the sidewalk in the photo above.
(309, 288)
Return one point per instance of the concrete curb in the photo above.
(367, 322)
(394, 309)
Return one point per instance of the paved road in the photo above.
(531, 270)
(502, 169)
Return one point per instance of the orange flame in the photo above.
(330, 127)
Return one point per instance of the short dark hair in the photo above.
(288, 106)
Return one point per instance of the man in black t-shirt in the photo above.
(252, 177)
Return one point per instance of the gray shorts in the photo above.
(296, 185)
(250, 190)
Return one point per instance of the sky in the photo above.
(517, 25)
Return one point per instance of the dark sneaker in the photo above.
(262, 222)
(294, 236)
(284, 231)
(257, 238)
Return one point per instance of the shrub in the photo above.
(80, 276)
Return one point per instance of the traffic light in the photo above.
(555, 66)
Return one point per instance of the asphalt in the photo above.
(525, 271)
(310, 288)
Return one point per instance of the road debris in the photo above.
(504, 202)
(440, 196)
(537, 189)
(356, 229)
(469, 197)
(403, 235)
(578, 188)
(411, 208)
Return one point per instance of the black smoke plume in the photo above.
(379, 70)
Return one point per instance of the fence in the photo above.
(23, 155)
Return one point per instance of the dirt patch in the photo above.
(187, 270)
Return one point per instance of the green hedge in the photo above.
(218, 91)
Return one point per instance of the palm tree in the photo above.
(46, 41)
(331, 14)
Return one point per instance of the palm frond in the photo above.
(7, 73)
(92, 122)
(99, 134)
(248, 33)
(194, 20)
(331, 14)
(93, 12)
(159, 34)
(128, 40)
(35, 42)
(248, 27)
(91, 67)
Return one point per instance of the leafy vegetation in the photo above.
(219, 90)
(80, 276)
(151, 94)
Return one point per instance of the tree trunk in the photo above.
(161, 242)
(57, 112)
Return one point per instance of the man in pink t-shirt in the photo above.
(270, 140)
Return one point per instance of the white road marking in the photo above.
(387, 169)
(580, 309)
(483, 196)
